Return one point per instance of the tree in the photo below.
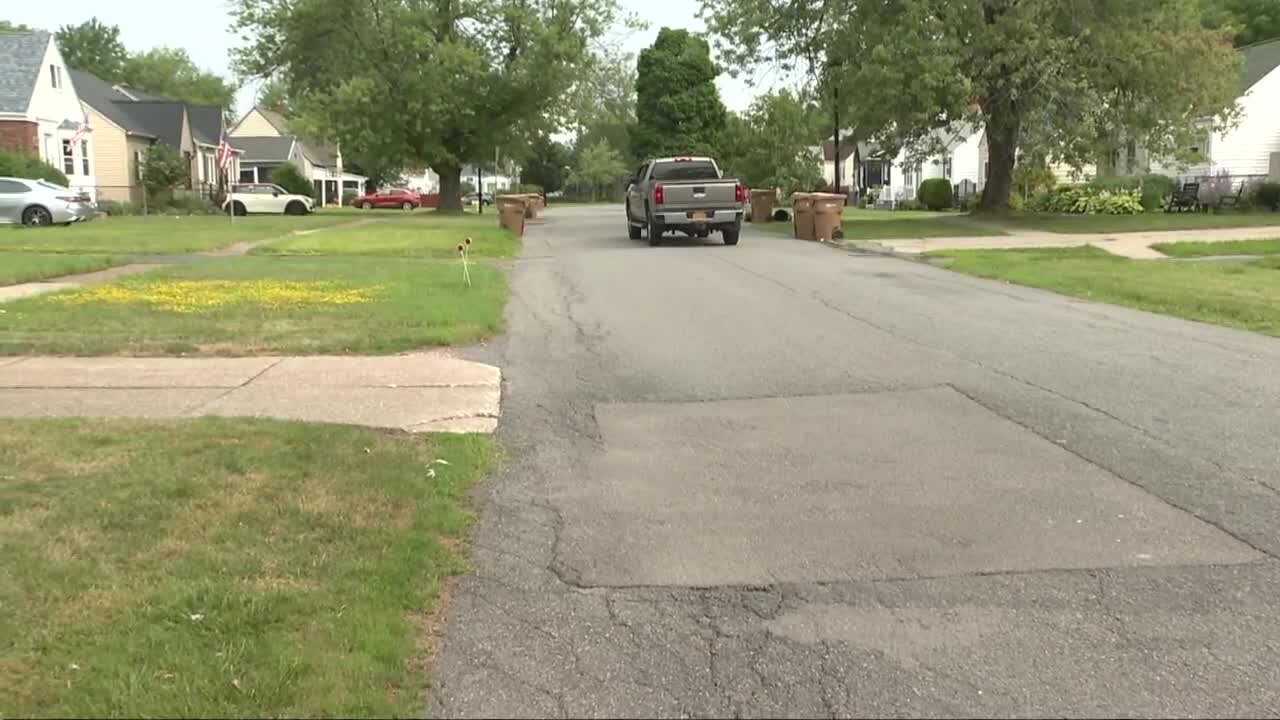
(292, 180)
(1067, 78)
(94, 47)
(274, 95)
(170, 72)
(1249, 21)
(163, 169)
(678, 109)
(598, 166)
(422, 82)
(545, 164)
(23, 165)
(8, 26)
(777, 150)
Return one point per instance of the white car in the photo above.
(266, 198)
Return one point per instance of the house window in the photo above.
(55, 76)
(946, 165)
(68, 157)
(137, 163)
(48, 149)
(84, 156)
(248, 175)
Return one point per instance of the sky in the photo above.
(203, 30)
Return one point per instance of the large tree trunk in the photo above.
(1004, 126)
(450, 187)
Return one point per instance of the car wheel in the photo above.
(655, 234)
(237, 208)
(366, 205)
(633, 231)
(295, 208)
(730, 235)
(407, 206)
(36, 216)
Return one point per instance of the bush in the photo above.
(22, 165)
(115, 207)
(1031, 178)
(190, 206)
(935, 193)
(528, 189)
(1267, 196)
(291, 179)
(163, 168)
(1087, 200)
(349, 197)
(908, 205)
(1155, 188)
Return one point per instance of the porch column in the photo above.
(324, 185)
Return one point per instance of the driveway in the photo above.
(779, 479)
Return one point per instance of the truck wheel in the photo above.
(633, 230)
(703, 233)
(655, 234)
(730, 235)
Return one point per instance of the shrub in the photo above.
(163, 168)
(1267, 196)
(908, 205)
(115, 207)
(1031, 178)
(190, 206)
(935, 193)
(30, 167)
(291, 179)
(527, 189)
(349, 197)
(1087, 200)
(1155, 188)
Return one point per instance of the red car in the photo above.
(389, 198)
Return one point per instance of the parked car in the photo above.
(38, 202)
(470, 198)
(248, 198)
(389, 198)
(687, 194)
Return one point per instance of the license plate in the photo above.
(698, 216)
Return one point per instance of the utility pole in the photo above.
(479, 190)
(835, 112)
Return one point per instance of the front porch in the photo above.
(326, 182)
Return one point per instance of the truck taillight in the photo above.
(658, 195)
(740, 193)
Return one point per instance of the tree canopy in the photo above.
(545, 164)
(678, 108)
(94, 47)
(771, 145)
(1069, 78)
(1249, 21)
(599, 167)
(432, 82)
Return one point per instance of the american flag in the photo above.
(84, 128)
(224, 153)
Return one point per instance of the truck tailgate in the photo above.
(699, 195)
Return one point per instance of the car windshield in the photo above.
(685, 170)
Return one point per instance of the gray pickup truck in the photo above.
(685, 194)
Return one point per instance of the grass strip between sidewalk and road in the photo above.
(224, 568)
(424, 234)
(1235, 294)
(1226, 247)
(264, 306)
(159, 234)
(19, 267)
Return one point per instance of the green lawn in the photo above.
(1240, 295)
(1150, 221)
(424, 234)
(26, 267)
(224, 568)
(254, 305)
(862, 224)
(1229, 247)
(159, 234)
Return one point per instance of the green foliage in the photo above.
(770, 145)
(1267, 196)
(170, 72)
(599, 167)
(935, 193)
(1249, 21)
(678, 108)
(94, 47)
(1153, 188)
(274, 95)
(292, 180)
(190, 205)
(1066, 79)
(117, 208)
(163, 168)
(1032, 178)
(1087, 200)
(546, 163)
(458, 92)
(31, 167)
(8, 26)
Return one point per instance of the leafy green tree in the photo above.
(782, 130)
(599, 167)
(170, 72)
(23, 165)
(162, 169)
(678, 109)
(417, 82)
(1067, 78)
(1249, 21)
(94, 47)
(274, 95)
(9, 26)
(292, 180)
(545, 164)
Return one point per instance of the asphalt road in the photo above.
(780, 479)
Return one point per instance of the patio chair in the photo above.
(1231, 201)
(1188, 198)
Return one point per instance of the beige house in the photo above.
(264, 138)
(126, 123)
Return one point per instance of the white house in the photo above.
(424, 181)
(40, 112)
(959, 154)
(1247, 148)
(264, 137)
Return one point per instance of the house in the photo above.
(40, 112)
(127, 122)
(424, 181)
(264, 137)
(493, 182)
(958, 154)
(1247, 148)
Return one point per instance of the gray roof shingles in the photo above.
(206, 123)
(1259, 60)
(263, 149)
(23, 55)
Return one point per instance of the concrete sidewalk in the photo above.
(1135, 245)
(420, 392)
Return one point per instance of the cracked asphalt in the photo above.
(780, 480)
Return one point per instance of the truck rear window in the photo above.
(685, 170)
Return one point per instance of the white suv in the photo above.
(265, 198)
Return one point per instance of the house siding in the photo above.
(50, 108)
(111, 156)
(1246, 150)
(135, 146)
(966, 160)
(254, 124)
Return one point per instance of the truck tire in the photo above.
(655, 234)
(730, 235)
(633, 230)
